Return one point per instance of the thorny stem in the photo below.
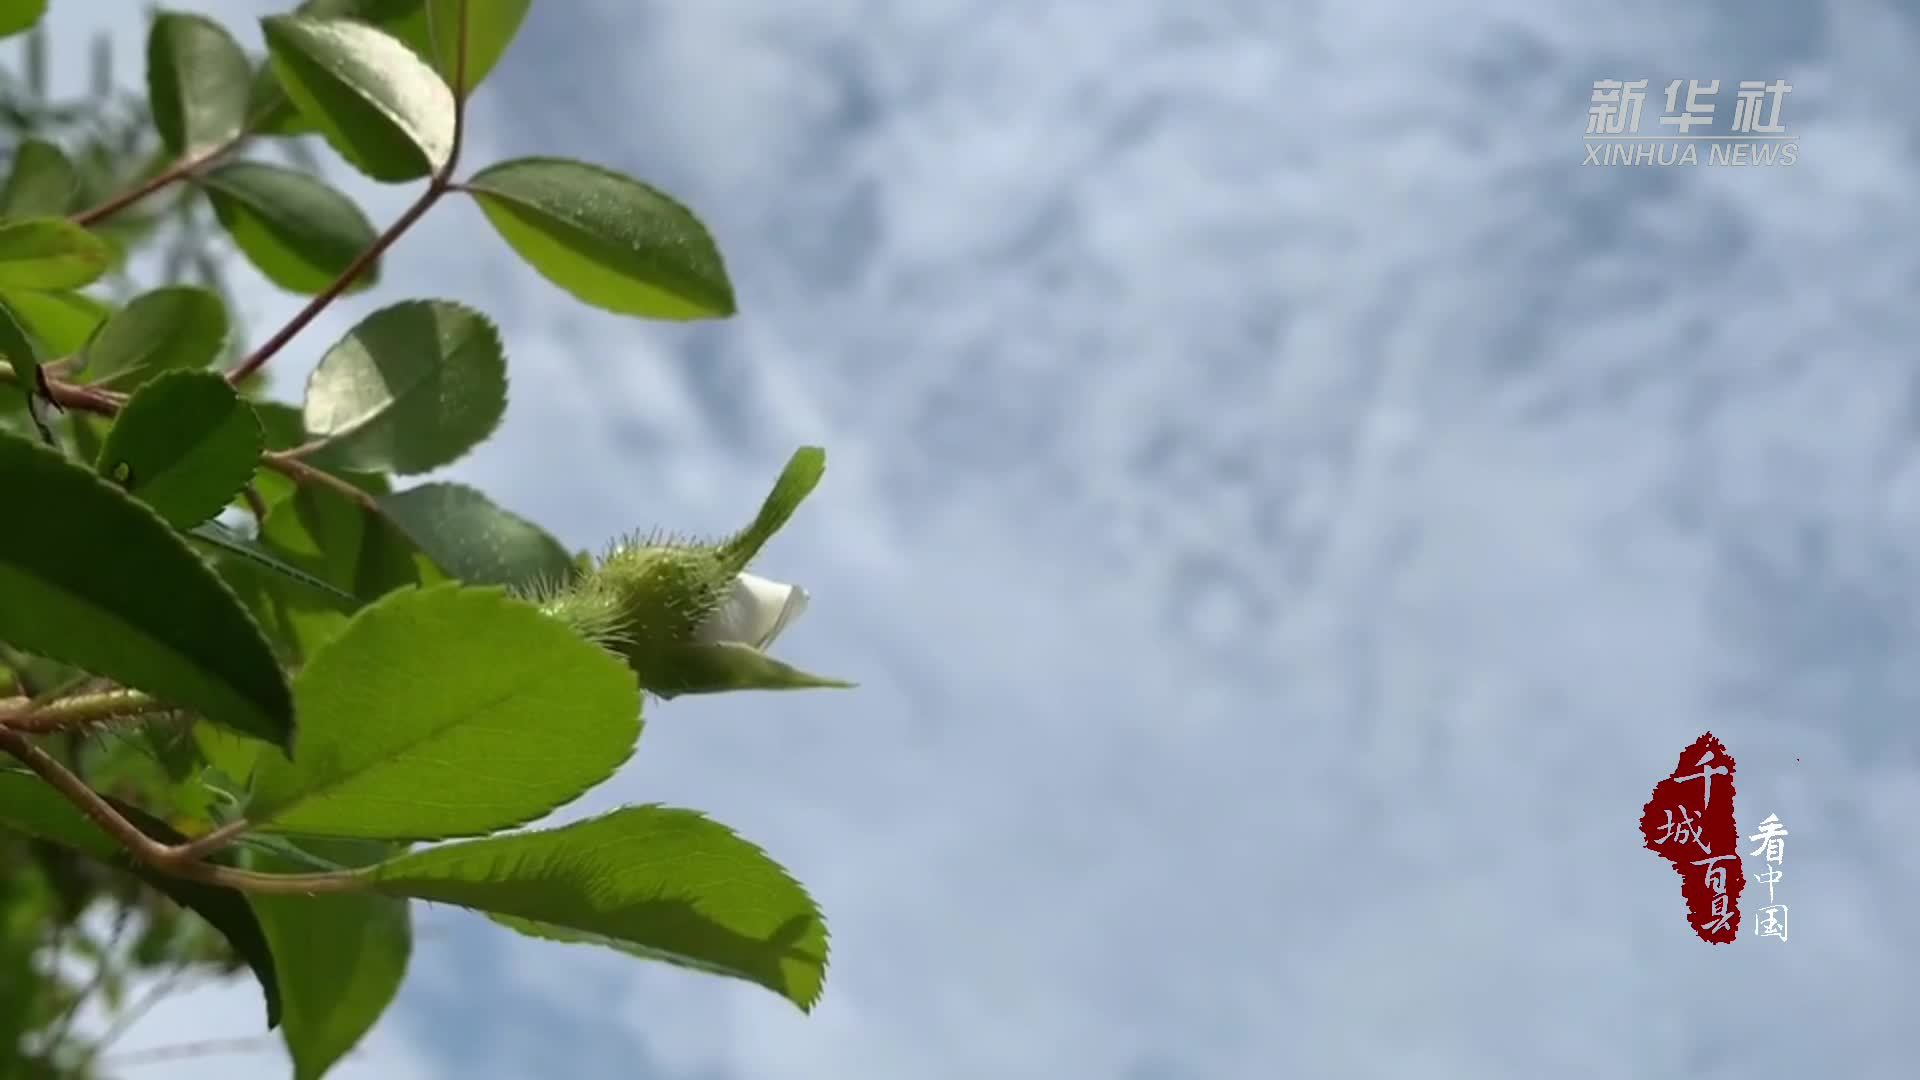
(179, 860)
(437, 185)
(71, 396)
(80, 710)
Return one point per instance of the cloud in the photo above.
(1284, 514)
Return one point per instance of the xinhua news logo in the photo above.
(1756, 135)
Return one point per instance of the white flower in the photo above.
(753, 614)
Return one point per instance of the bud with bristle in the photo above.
(668, 604)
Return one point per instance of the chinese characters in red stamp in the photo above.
(1689, 822)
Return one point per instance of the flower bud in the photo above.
(686, 616)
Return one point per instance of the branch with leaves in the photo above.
(365, 696)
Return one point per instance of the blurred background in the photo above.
(1283, 510)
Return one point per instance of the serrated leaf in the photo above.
(298, 232)
(284, 431)
(497, 711)
(98, 580)
(61, 321)
(340, 960)
(801, 475)
(230, 760)
(28, 805)
(41, 183)
(184, 444)
(197, 83)
(350, 546)
(611, 241)
(218, 536)
(50, 253)
(170, 329)
(376, 102)
(476, 541)
(432, 31)
(411, 388)
(17, 16)
(655, 881)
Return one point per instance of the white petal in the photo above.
(755, 611)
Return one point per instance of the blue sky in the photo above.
(1284, 514)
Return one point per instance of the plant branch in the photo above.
(338, 286)
(459, 93)
(302, 473)
(202, 1048)
(132, 1014)
(70, 396)
(178, 860)
(218, 839)
(139, 844)
(255, 504)
(174, 173)
(22, 715)
(437, 186)
(102, 970)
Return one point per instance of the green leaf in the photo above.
(281, 424)
(170, 329)
(20, 15)
(16, 349)
(89, 434)
(349, 545)
(796, 482)
(62, 321)
(197, 83)
(654, 881)
(341, 959)
(298, 232)
(98, 580)
(49, 253)
(376, 102)
(218, 536)
(447, 712)
(475, 540)
(184, 444)
(611, 241)
(273, 113)
(28, 805)
(432, 30)
(411, 388)
(717, 669)
(268, 110)
(41, 184)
